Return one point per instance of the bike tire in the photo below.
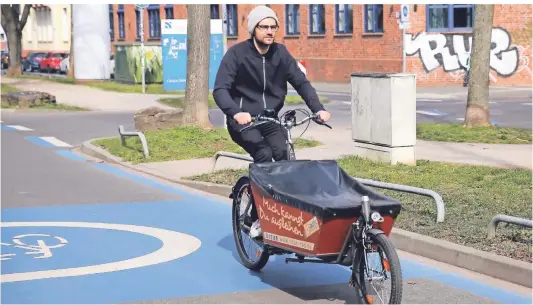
(389, 250)
(263, 259)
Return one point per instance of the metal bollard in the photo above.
(123, 134)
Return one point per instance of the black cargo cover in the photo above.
(321, 187)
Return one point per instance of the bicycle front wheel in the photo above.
(241, 222)
(378, 273)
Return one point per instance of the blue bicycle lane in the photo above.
(131, 252)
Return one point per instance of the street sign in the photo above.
(404, 13)
(403, 18)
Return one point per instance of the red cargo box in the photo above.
(308, 206)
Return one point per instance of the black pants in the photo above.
(264, 143)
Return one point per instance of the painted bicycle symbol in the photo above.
(41, 248)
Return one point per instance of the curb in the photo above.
(497, 266)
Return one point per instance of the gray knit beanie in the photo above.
(257, 14)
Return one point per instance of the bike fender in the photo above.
(237, 186)
(375, 231)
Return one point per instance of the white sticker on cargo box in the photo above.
(288, 241)
(311, 227)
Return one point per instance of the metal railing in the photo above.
(385, 185)
(141, 136)
(491, 232)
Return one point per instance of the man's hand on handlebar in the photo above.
(323, 116)
(243, 118)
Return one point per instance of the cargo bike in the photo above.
(319, 213)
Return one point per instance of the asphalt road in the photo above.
(71, 126)
(114, 236)
(504, 112)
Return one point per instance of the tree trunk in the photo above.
(14, 44)
(196, 108)
(477, 106)
(13, 28)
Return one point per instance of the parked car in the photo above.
(52, 61)
(65, 65)
(32, 61)
(4, 59)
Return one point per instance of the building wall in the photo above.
(124, 20)
(332, 57)
(445, 62)
(48, 28)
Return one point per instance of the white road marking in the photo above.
(428, 100)
(432, 113)
(527, 104)
(347, 103)
(21, 128)
(175, 245)
(56, 142)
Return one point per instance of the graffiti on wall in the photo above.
(452, 52)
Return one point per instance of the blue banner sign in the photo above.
(174, 51)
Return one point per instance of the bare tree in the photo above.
(477, 106)
(13, 27)
(196, 111)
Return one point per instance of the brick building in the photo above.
(336, 40)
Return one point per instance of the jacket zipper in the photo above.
(264, 83)
(240, 105)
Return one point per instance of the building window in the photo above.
(154, 21)
(317, 17)
(44, 25)
(232, 22)
(373, 18)
(29, 26)
(65, 25)
(449, 17)
(120, 17)
(111, 23)
(343, 18)
(169, 11)
(215, 13)
(138, 23)
(292, 15)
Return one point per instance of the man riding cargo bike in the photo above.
(253, 77)
(302, 207)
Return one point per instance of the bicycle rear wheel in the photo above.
(376, 264)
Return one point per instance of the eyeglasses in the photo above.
(274, 28)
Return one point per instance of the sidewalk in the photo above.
(92, 98)
(336, 143)
(497, 155)
(97, 99)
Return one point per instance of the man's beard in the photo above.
(261, 45)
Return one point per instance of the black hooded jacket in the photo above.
(250, 82)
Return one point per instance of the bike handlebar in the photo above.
(261, 119)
